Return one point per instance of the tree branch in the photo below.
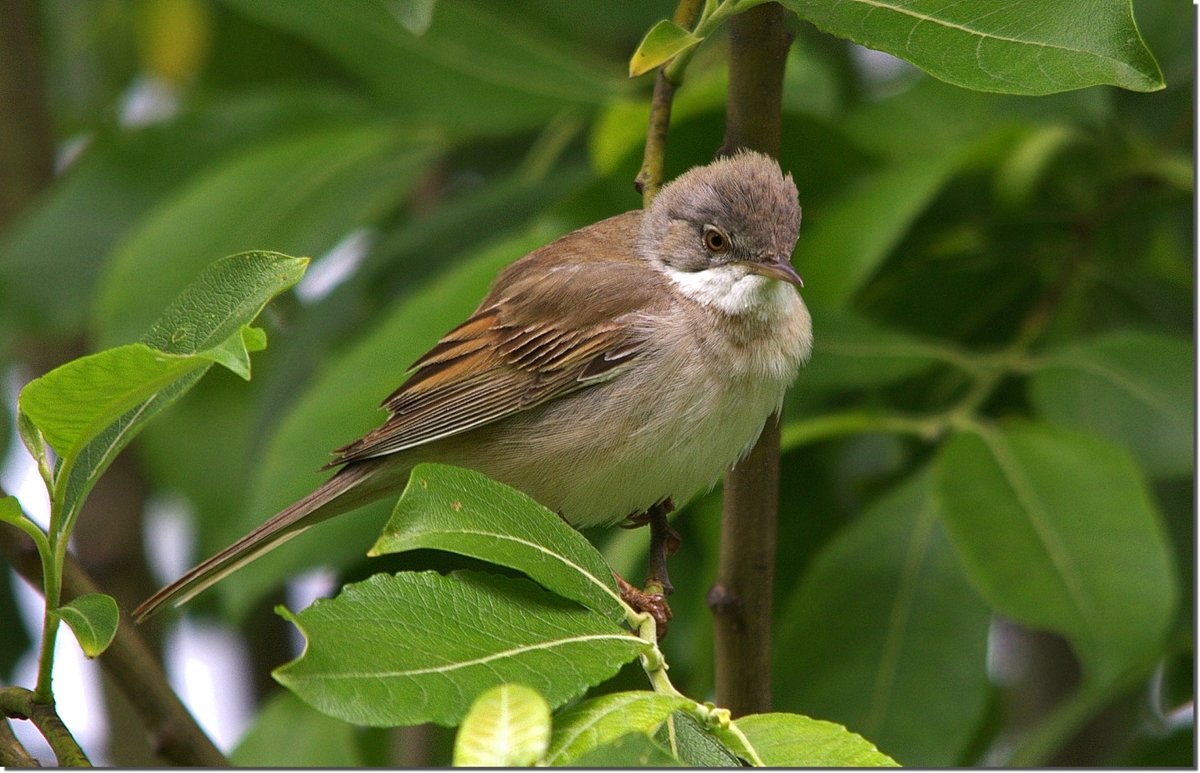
(177, 737)
(19, 703)
(12, 753)
(741, 597)
(27, 153)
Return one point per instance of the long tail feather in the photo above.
(325, 502)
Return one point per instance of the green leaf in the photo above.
(1026, 167)
(341, 405)
(1134, 388)
(664, 41)
(694, 745)
(35, 443)
(604, 719)
(90, 408)
(75, 402)
(12, 514)
(632, 750)
(850, 236)
(850, 352)
(507, 727)
(1009, 46)
(901, 654)
(465, 512)
(122, 176)
(314, 740)
(10, 510)
(419, 647)
(298, 195)
(795, 741)
(619, 130)
(477, 69)
(94, 618)
(1056, 529)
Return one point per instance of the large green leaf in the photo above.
(632, 750)
(1135, 388)
(462, 511)
(850, 352)
(693, 744)
(90, 408)
(606, 718)
(794, 741)
(477, 68)
(845, 241)
(1056, 529)
(314, 740)
(298, 195)
(507, 727)
(121, 177)
(75, 402)
(886, 636)
(420, 647)
(1010, 46)
(342, 404)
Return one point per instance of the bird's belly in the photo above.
(598, 468)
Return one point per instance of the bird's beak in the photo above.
(776, 268)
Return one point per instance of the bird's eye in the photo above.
(715, 241)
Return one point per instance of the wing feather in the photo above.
(551, 325)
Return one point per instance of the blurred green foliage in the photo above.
(997, 420)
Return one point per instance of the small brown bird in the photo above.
(620, 367)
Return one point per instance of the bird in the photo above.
(608, 374)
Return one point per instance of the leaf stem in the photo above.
(53, 559)
(805, 431)
(653, 662)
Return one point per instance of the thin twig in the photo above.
(19, 703)
(741, 597)
(178, 739)
(650, 178)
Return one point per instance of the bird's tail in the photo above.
(325, 502)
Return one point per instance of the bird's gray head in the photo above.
(737, 211)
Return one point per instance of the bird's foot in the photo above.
(651, 602)
(664, 541)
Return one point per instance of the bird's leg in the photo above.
(664, 541)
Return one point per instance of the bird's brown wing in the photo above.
(554, 323)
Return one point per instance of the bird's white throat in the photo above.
(734, 290)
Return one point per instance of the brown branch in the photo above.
(741, 597)
(19, 703)
(12, 753)
(131, 664)
(27, 153)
